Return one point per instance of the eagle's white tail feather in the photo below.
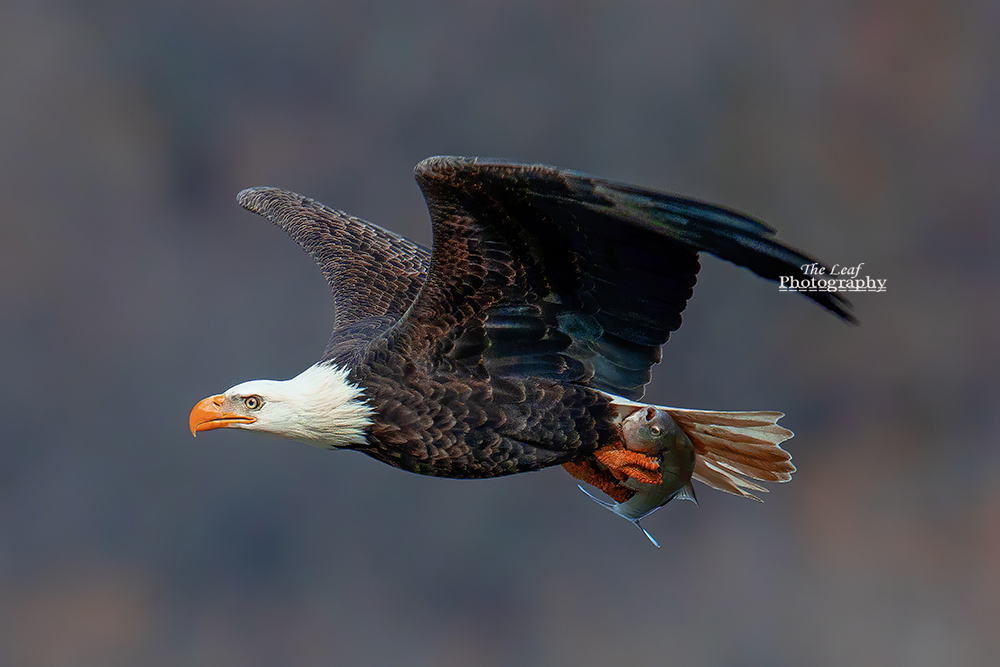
(734, 446)
(724, 480)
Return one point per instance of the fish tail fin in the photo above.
(733, 448)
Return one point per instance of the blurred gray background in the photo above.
(132, 285)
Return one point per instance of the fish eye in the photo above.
(655, 430)
(253, 402)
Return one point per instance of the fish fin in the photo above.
(686, 492)
(611, 507)
(646, 533)
(602, 503)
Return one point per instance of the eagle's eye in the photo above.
(253, 402)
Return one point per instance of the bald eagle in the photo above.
(523, 338)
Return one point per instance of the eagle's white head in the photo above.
(320, 407)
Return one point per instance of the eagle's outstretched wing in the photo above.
(538, 271)
(372, 272)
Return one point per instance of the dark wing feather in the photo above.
(552, 273)
(373, 273)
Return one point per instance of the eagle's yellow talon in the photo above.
(625, 463)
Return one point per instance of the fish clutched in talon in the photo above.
(662, 450)
(654, 443)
